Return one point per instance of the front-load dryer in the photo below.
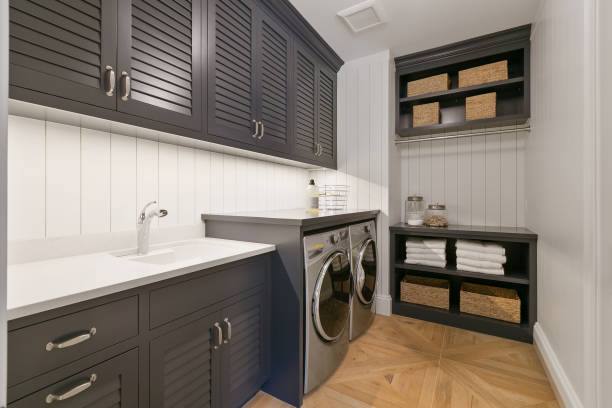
(328, 295)
(364, 268)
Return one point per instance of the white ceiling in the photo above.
(415, 25)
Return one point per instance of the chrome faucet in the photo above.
(144, 226)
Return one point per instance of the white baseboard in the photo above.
(382, 304)
(563, 387)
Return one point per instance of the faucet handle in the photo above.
(163, 213)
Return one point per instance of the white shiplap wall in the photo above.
(481, 179)
(363, 150)
(70, 181)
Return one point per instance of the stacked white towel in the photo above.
(481, 257)
(429, 252)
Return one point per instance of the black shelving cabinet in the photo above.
(520, 274)
(513, 97)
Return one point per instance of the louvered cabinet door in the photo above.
(183, 367)
(274, 56)
(326, 116)
(111, 384)
(62, 48)
(160, 50)
(231, 69)
(245, 361)
(305, 105)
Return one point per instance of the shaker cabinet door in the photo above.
(160, 61)
(274, 56)
(326, 116)
(183, 367)
(231, 69)
(65, 49)
(305, 112)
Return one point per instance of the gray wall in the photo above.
(3, 137)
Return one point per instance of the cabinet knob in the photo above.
(109, 79)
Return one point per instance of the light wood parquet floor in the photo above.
(408, 363)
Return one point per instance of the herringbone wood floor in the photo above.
(402, 362)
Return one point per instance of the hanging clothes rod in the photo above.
(481, 133)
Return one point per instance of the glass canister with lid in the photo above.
(436, 216)
(415, 210)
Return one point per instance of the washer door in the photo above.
(330, 302)
(365, 280)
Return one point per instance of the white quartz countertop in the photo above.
(40, 286)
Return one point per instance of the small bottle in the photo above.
(312, 193)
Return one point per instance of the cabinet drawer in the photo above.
(172, 302)
(42, 347)
(113, 383)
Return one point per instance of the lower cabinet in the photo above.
(113, 383)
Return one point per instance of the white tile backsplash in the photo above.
(68, 181)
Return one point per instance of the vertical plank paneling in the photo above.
(229, 183)
(464, 181)
(168, 183)
(363, 141)
(186, 186)
(123, 183)
(414, 167)
(508, 180)
(216, 182)
(478, 180)
(492, 180)
(63, 187)
(437, 172)
(376, 123)
(242, 191)
(354, 92)
(202, 178)
(425, 170)
(451, 171)
(521, 140)
(26, 183)
(95, 182)
(147, 174)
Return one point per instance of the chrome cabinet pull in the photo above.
(73, 392)
(228, 335)
(219, 336)
(72, 341)
(109, 86)
(263, 130)
(319, 151)
(126, 86)
(254, 135)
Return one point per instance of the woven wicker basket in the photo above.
(434, 83)
(481, 106)
(497, 71)
(490, 301)
(426, 114)
(425, 291)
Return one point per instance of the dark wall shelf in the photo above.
(513, 96)
(520, 274)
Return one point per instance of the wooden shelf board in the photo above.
(458, 92)
(451, 270)
(520, 332)
(506, 120)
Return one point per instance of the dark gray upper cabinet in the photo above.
(159, 67)
(305, 115)
(64, 48)
(231, 69)
(326, 115)
(184, 368)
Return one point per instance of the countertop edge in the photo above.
(305, 222)
(55, 303)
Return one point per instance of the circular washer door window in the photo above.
(365, 284)
(331, 297)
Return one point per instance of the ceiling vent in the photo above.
(364, 15)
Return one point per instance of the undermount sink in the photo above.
(190, 252)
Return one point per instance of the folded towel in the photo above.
(477, 256)
(437, 251)
(488, 271)
(483, 247)
(426, 243)
(427, 257)
(438, 264)
(479, 264)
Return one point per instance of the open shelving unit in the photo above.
(513, 96)
(520, 275)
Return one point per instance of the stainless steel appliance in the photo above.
(328, 296)
(364, 268)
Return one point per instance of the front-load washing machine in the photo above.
(328, 296)
(364, 258)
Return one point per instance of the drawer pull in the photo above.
(72, 341)
(73, 392)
